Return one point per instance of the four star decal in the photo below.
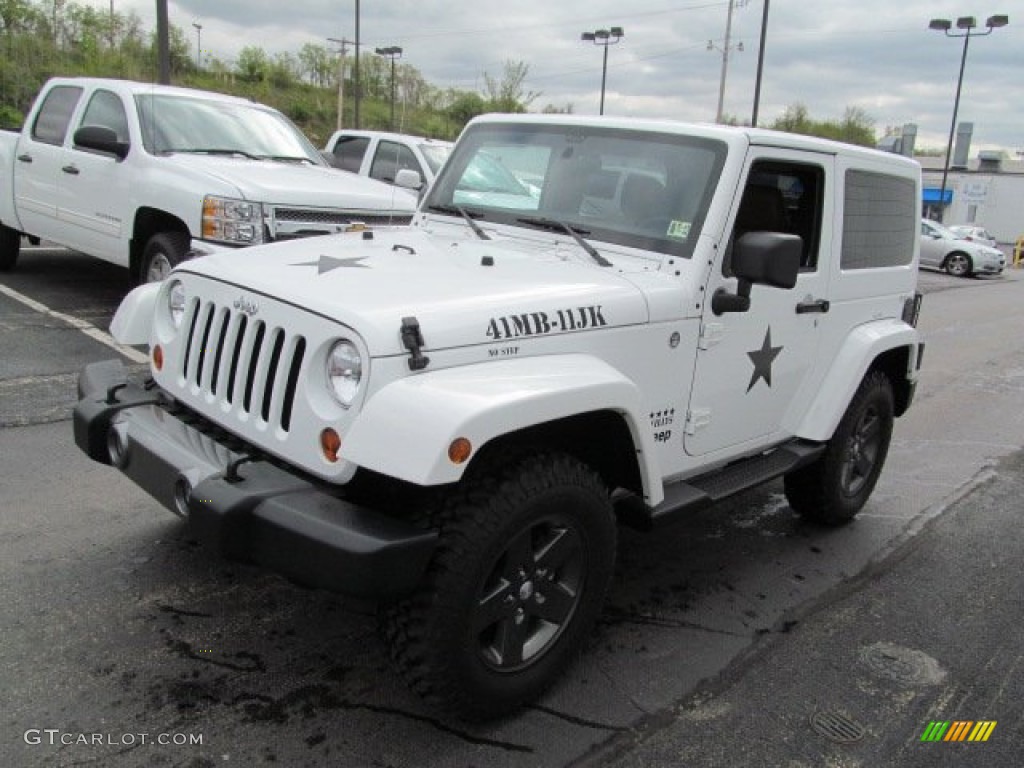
(329, 264)
(762, 359)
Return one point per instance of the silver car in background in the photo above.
(973, 233)
(943, 249)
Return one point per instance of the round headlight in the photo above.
(176, 302)
(344, 371)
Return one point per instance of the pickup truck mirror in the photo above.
(330, 158)
(408, 179)
(99, 138)
(760, 258)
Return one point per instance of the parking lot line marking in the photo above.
(87, 328)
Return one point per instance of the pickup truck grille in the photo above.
(291, 223)
(241, 363)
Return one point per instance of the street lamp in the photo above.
(392, 52)
(199, 43)
(604, 38)
(967, 24)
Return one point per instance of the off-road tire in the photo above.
(550, 514)
(958, 264)
(10, 246)
(163, 251)
(832, 490)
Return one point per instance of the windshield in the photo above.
(636, 188)
(435, 155)
(172, 123)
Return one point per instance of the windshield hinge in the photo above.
(412, 340)
(710, 335)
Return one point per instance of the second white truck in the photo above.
(142, 175)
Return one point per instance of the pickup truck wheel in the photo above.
(526, 553)
(163, 252)
(833, 489)
(10, 245)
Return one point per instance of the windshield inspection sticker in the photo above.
(678, 229)
(543, 323)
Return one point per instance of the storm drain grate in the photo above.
(837, 727)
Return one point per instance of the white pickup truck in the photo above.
(141, 175)
(381, 155)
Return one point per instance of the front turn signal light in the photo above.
(330, 444)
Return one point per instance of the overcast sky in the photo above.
(827, 54)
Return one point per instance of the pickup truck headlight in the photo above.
(344, 371)
(176, 303)
(239, 222)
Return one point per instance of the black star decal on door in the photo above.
(328, 264)
(762, 359)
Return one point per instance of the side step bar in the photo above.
(704, 490)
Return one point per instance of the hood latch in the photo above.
(412, 340)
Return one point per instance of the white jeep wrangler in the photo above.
(589, 322)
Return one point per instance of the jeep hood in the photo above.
(462, 292)
(310, 186)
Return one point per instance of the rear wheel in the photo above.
(833, 489)
(10, 246)
(163, 252)
(958, 264)
(526, 553)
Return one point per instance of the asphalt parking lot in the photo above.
(116, 623)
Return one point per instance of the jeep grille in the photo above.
(242, 364)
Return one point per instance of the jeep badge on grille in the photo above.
(248, 306)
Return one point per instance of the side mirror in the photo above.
(99, 138)
(408, 179)
(330, 158)
(760, 258)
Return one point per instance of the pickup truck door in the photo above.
(38, 160)
(94, 198)
(756, 370)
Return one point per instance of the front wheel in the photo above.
(833, 489)
(526, 554)
(10, 246)
(163, 252)
(958, 264)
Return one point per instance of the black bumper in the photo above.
(257, 513)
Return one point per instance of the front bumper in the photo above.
(248, 510)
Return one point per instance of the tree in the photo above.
(508, 94)
(856, 127)
(252, 64)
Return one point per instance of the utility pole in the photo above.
(357, 84)
(760, 65)
(343, 42)
(725, 64)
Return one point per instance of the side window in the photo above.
(783, 197)
(105, 109)
(392, 158)
(880, 220)
(51, 124)
(350, 150)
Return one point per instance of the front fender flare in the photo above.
(405, 428)
(860, 349)
(133, 320)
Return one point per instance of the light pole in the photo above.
(760, 66)
(199, 43)
(604, 38)
(392, 52)
(967, 24)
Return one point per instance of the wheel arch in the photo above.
(573, 403)
(889, 346)
(149, 222)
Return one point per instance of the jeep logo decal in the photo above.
(248, 306)
(543, 323)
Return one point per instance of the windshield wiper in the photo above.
(453, 209)
(286, 158)
(215, 151)
(553, 225)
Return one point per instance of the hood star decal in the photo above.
(329, 264)
(762, 359)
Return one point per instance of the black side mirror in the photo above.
(760, 258)
(99, 138)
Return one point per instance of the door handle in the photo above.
(816, 305)
(70, 169)
(25, 157)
